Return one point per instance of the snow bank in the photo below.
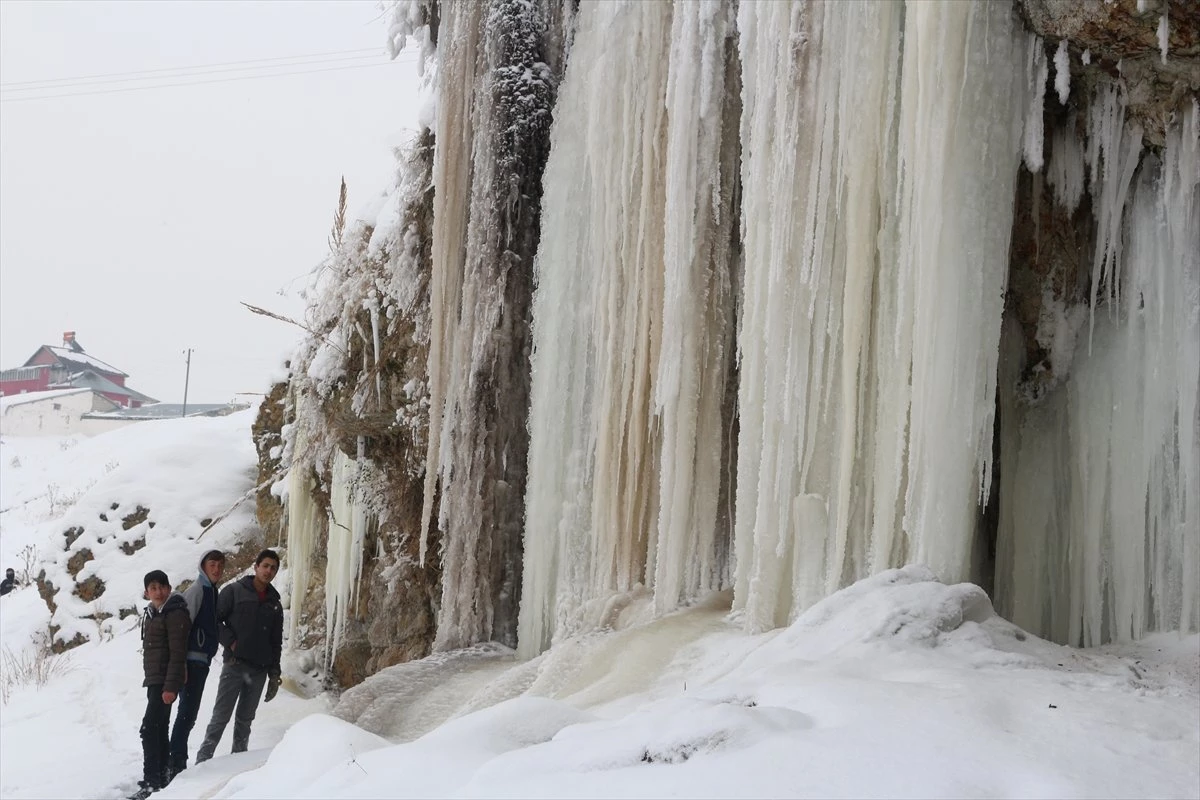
(155, 483)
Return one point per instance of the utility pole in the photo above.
(186, 376)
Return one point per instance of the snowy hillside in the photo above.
(898, 686)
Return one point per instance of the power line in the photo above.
(194, 66)
(197, 83)
(195, 74)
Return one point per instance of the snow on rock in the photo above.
(92, 509)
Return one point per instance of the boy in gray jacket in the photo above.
(250, 619)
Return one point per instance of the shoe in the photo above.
(144, 791)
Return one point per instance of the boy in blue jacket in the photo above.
(201, 599)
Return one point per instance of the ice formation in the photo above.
(495, 91)
(1100, 484)
(864, 417)
(767, 342)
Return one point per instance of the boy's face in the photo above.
(213, 569)
(157, 593)
(265, 570)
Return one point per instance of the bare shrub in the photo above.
(31, 668)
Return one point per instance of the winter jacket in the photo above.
(201, 599)
(164, 643)
(7, 585)
(254, 626)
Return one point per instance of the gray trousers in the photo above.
(241, 686)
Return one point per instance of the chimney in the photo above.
(68, 338)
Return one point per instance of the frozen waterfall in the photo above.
(874, 243)
(1100, 511)
(720, 302)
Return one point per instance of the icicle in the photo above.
(1113, 152)
(1066, 170)
(1062, 72)
(348, 521)
(1036, 73)
(1164, 32)
(303, 520)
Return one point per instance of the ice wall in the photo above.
(874, 239)
(1100, 527)
(495, 91)
(632, 315)
(876, 243)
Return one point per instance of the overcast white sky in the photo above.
(140, 219)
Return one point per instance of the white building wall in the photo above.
(55, 415)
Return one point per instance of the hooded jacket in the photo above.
(201, 599)
(254, 626)
(164, 643)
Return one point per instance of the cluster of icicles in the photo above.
(768, 324)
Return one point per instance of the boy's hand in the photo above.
(273, 681)
(169, 697)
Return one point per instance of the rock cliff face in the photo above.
(405, 427)
(1126, 39)
(1106, 43)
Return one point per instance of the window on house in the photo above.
(58, 406)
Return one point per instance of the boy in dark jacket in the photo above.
(164, 646)
(250, 618)
(201, 599)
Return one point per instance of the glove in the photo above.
(273, 681)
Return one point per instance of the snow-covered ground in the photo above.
(898, 686)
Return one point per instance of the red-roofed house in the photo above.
(69, 367)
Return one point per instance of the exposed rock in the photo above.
(1123, 42)
(75, 563)
(71, 534)
(129, 548)
(58, 647)
(1051, 253)
(268, 443)
(136, 518)
(89, 589)
(46, 591)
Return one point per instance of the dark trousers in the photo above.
(241, 685)
(154, 738)
(185, 716)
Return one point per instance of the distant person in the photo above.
(201, 599)
(9, 583)
(165, 629)
(250, 618)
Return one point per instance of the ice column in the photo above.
(304, 518)
(878, 173)
(591, 503)
(348, 521)
(1100, 524)
(695, 357)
